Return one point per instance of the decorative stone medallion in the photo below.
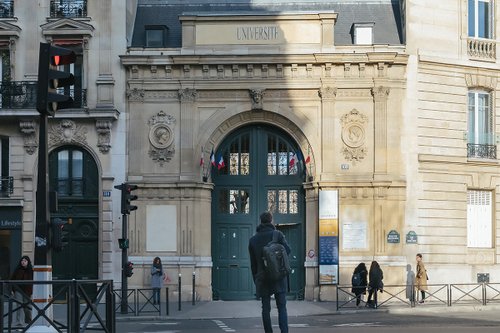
(353, 135)
(66, 132)
(161, 137)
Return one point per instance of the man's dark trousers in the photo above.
(282, 314)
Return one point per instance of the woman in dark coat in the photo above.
(22, 292)
(376, 284)
(360, 289)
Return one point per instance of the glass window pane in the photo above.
(234, 158)
(62, 164)
(271, 201)
(283, 202)
(472, 19)
(294, 202)
(223, 201)
(77, 164)
(283, 160)
(483, 19)
(245, 155)
(154, 38)
(271, 155)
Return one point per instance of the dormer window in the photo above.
(155, 36)
(363, 33)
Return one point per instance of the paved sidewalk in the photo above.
(252, 309)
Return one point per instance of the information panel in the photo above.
(328, 237)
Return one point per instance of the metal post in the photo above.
(193, 291)
(167, 303)
(2, 291)
(110, 307)
(179, 291)
(124, 300)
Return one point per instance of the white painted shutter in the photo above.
(479, 219)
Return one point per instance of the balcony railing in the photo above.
(481, 48)
(6, 8)
(22, 95)
(481, 151)
(68, 8)
(18, 94)
(6, 186)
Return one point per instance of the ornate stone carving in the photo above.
(257, 96)
(67, 131)
(135, 94)
(103, 128)
(187, 95)
(380, 92)
(327, 92)
(29, 134)
(161, 137)
(353, 135)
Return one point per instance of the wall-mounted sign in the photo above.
(11, 217)
(393, 237)
(328, 251)
(411, 237)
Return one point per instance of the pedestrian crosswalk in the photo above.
(223, 326)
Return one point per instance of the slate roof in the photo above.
(384, 13)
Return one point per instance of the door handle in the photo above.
(234, 265)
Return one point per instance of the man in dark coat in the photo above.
(264, 286)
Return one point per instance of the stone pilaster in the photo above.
(380, 95)
(188, 122)
(327, 95)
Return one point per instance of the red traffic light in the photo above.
(61, 56)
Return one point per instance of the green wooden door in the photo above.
(256, 176)
(73, 175)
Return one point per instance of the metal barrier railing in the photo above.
(71, 308)
(436, 294)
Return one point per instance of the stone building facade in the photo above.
(391, 103)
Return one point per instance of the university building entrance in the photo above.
(256, 170)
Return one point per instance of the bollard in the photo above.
(167, 302)
(194, 281)
(179, 291)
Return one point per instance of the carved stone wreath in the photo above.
(161, 137)
(67, 131)
(353, 135)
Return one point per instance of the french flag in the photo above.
(221, 164)
(212, 158)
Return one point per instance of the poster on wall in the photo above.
(328, 255)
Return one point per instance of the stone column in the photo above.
(380, 95)
(187, 99)
(327, 95)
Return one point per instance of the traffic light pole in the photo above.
(124, 300)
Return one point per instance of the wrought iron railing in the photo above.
(6, 186)
(7, 8)
(18, 94)
(68, 8)
(22, 95)
(481, 151)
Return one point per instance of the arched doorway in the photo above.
(73, 175)
(256, 176)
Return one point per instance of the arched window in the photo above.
(73, 173)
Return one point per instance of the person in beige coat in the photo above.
(421, 278)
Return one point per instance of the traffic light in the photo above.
(50, 98)
(129, 268)
(127, 197)
(59, 235)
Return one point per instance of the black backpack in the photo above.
(356, 279)
(276, 263)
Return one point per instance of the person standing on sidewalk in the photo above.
(156, 279)
(421, 280)
(22, 292)
(376, 276)
(263, 285)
